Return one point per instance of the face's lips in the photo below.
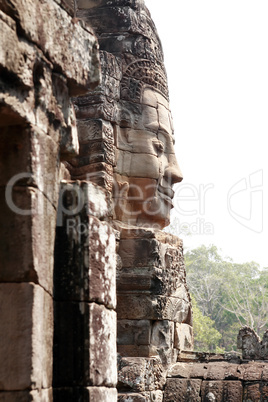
(166, 192)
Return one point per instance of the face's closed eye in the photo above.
(168, 141)
(159, 146)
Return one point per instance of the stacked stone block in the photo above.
(154, 309)
(45, 60)
(85, 297)
(216, 378)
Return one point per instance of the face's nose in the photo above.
(173, 172)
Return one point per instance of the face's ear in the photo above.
(164, 119)
(123, 140)
(120, 198)
(149, 103)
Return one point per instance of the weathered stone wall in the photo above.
(154, 311)
(152, 295)
(45, 60)
(204, 377)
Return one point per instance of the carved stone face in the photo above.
(146, 166)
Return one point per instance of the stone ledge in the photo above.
(220, 370)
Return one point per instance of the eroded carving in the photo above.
(253, 348)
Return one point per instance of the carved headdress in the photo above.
(139, 74)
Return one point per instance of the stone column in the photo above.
(45, 60)
(132, 102)
(154, 309)
(85, 297)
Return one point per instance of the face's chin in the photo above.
(156, 211)
(145, 202)
(152, 213)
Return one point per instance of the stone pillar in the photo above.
(136, 151)
(45, 60)
(85, 297)
(153, 306)
(28, 218)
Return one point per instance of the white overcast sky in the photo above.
(216, 56)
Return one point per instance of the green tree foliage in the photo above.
(229, 294)
(206, 337)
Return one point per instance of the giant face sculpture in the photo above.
(133, 103)
(146, 166)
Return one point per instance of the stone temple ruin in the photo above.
(94, 304)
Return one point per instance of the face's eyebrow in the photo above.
(166, 134)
